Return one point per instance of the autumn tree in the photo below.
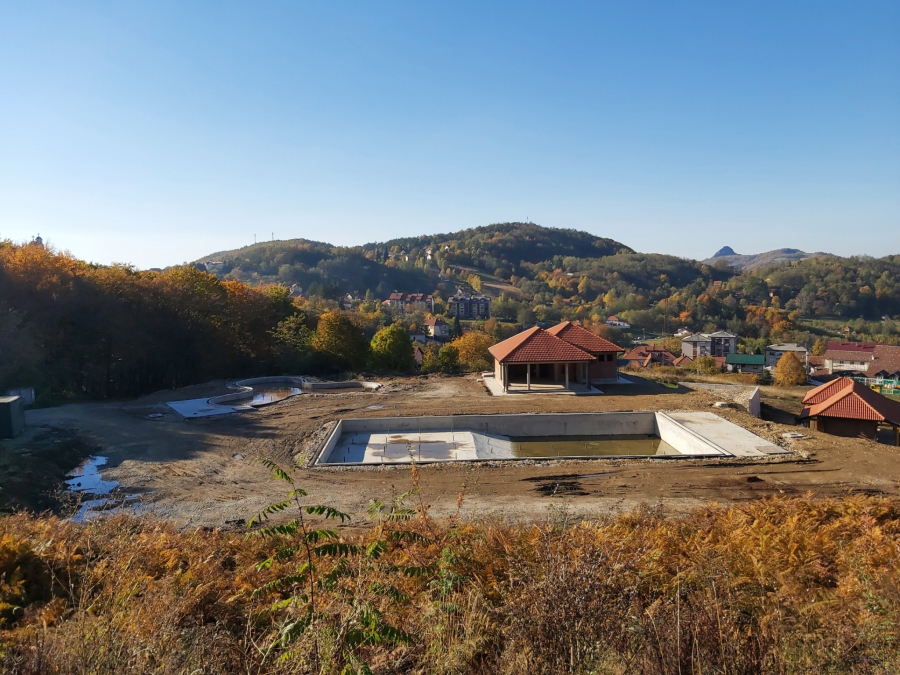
(338, 337)
(472, 348)
(706, 365)
(819, 347)
(475, 282)
(789, 371)
(392, 350)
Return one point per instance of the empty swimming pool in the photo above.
(383, 440)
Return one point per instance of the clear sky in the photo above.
(157, 132)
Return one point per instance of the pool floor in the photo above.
(465, 444)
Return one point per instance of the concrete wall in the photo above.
(12, 416)
(245, 387)
(487, 428)
(541, 424)
(685, 441)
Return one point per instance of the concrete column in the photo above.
(528, 376)
(505, 373)
(567, 376)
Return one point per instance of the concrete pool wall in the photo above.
(488, 437)
(245, 387)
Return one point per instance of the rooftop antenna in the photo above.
(273, 236)
(254, 238)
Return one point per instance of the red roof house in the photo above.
(844, 407)
(606, 353)
(539, 357)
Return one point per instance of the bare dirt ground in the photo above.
(204, 471)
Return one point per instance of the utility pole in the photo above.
(254, 239)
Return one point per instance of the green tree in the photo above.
(789, 371)
(448, 359)
(392, 350)
(456, 329)
(293, 343)
(338, 337)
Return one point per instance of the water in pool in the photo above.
(588, 446)
(271, 394)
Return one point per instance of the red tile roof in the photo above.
(682, 361)
(825, 391)
(536, 345)
(582, 338)
(851, 400)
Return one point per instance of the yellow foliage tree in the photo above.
(789, 371)
(472, 348)
(475, 282)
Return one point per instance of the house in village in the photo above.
(721, 344)
(436, 328)
(644, 356)
(862, 359)
(745, 363)
(469, 306)
(844, 407)
(538, 360)
(402, 302)
(614, 321)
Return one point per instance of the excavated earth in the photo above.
(204, 472)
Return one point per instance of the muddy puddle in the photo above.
(85, 481)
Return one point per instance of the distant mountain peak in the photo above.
(725, 250)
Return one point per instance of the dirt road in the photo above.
(204, 471)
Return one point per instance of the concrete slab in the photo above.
(730, 437)
(496, 389)
(201, 407)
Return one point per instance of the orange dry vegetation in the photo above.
(773, 586)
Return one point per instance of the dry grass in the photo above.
(775, 586)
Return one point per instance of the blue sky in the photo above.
(154, 133)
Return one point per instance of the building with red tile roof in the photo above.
(606, 353)
(863, 359)
(844, 407)
(643, 356)
(537, 356)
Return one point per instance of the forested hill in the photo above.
(512, 243)
(404, 264)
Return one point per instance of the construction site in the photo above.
(682, 448)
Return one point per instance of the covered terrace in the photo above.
(538, 361)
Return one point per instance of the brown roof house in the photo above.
(606, 353)
(644, 356)
(844, 407)
(436, 328)
(866, 359)
(538, 360)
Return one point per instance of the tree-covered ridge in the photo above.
(507, 245)
(319, 269)
(404, 264)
